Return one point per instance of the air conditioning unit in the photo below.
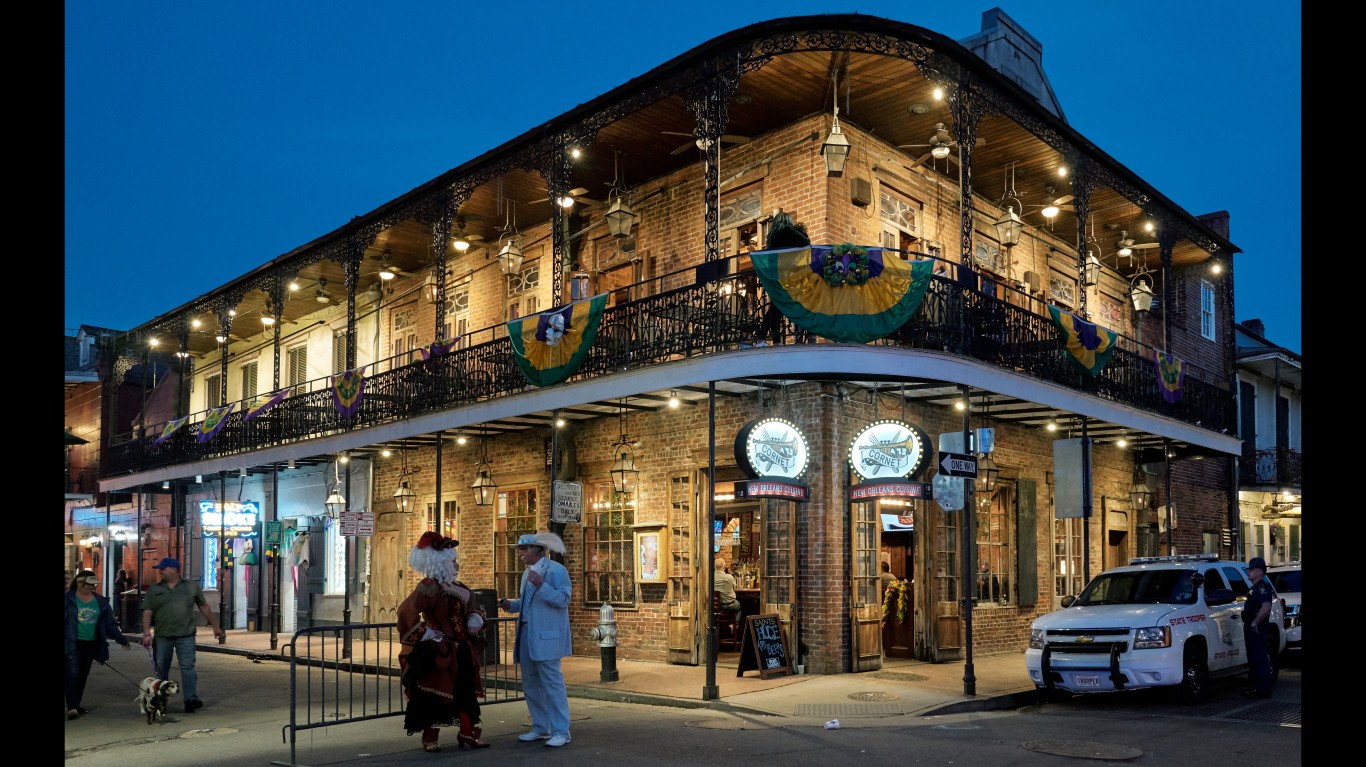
(860, 191)
(1033, 282)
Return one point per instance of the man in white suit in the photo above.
(543, 637)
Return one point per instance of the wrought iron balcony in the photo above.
(1279, 466)
(679, 316)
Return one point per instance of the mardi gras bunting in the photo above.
(347, 389)
(1171, 376)
(214, 421)
(550, 346)
(171, 428)
(846, 293)
(263, 404)
(434, 351)
(1088, 345)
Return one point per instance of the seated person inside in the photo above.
(725, 588)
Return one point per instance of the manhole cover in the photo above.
(1083, 749)
(873, 696)
(898, 676)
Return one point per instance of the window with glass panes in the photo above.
(298, 368)
(995, 533)
(403, 320)
(249, 380)
(450, 519)
(948, 570)
(521, 293)
(609, 563)
(1207, 309)
(739, 224)
(516, 514)
(898, 217)
(1067, 557)
(458, 312)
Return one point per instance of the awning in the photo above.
(72, 439)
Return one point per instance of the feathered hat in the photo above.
(547, 541)
(435, 556)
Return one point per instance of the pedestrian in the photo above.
(1256, 614)
(168, 610)
(886, 577)
(543, 637)
(441, 630)
(89, 627)
(723, 585)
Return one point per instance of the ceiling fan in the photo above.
(940, 146)
(321, 295)
(1126, 246)
(573, 195)
(387, 265)
(1053, 204)
(728, 138)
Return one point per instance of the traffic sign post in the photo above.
(948, 492)
(958, 465)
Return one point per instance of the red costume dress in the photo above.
(441, 678)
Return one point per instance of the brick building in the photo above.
(692, 347)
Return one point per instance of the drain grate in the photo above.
(847, 709)
(873, 696)
(1286, 714)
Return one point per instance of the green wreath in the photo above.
(845, 264)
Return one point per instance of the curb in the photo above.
(1004, 702)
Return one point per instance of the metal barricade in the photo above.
(350, 673)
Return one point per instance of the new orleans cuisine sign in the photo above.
(884, 456)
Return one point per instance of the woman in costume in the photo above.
(441, 630)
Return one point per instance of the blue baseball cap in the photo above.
(167, 562)
(1257, 563)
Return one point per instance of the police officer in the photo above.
(1256, 614)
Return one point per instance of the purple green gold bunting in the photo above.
(550, 346)
(437, 349)
(171, 428)
(265, 403)
(347, 390)
(213, 422)
(846, 293)
(1171, 376)
(1088, 345)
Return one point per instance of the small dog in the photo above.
(154, 696)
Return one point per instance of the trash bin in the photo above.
(488, 599)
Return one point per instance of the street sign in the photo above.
(274, 531)
(568, 503)
(948, 492)
(958, 465)
(357, 523)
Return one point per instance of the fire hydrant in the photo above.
(606, 635)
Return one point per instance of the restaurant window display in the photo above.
(609, 567)
(995, 533)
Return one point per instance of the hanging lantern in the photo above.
(404, 498)
(335, 503)
(1090, 274)
(1141, 294)
(619, 217)
(987, 474)
(510, 258)
(1009, 227)
(624, 473)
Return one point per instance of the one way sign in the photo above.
(958, 465)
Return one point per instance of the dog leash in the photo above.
(120, 673)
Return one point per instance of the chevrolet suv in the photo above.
(1285, 579)
(1172, 622)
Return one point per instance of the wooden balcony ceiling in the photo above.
(877, 95)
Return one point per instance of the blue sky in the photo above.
(202, 139)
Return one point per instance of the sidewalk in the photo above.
(900, 687)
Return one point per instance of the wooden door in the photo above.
(386, 569)
(685, 631)
(942, 574)
(864, 598)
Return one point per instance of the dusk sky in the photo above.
(204, 139)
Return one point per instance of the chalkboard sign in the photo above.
(762, 647)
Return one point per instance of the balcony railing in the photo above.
(1274, 466)
(681, 315)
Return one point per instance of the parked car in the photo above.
(1172, 622)
(1285, 579)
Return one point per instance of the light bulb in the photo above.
(1052, 426)
(938, 93)
(960, 405)
(566, 202)
(1050, 211)
(385, 453)
(267, 321)
(559, 423)
(462, 439)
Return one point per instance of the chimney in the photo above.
(1217, 221)
(1013, 52)
(1255, 326)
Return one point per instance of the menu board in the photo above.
(762, 647)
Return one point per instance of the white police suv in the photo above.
(1159, 622)
(1285, 579)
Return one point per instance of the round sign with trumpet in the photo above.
(889, 449)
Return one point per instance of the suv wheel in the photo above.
(1194, 676)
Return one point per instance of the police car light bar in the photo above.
(1175, 558)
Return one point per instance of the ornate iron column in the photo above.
(1083, 183)
(1166, 241)
(557, 183)
(351, 259)
(276, 290)
(441, 230)
(708, 103)
(221, 310)
(182, 327)
(969, 107)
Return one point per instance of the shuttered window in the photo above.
(339, 351)
(249, 380)
(298, 368)
(213, 391)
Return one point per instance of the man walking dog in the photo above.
(168, 608)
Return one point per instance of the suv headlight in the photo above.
(1036, 639)
(1152, 637)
